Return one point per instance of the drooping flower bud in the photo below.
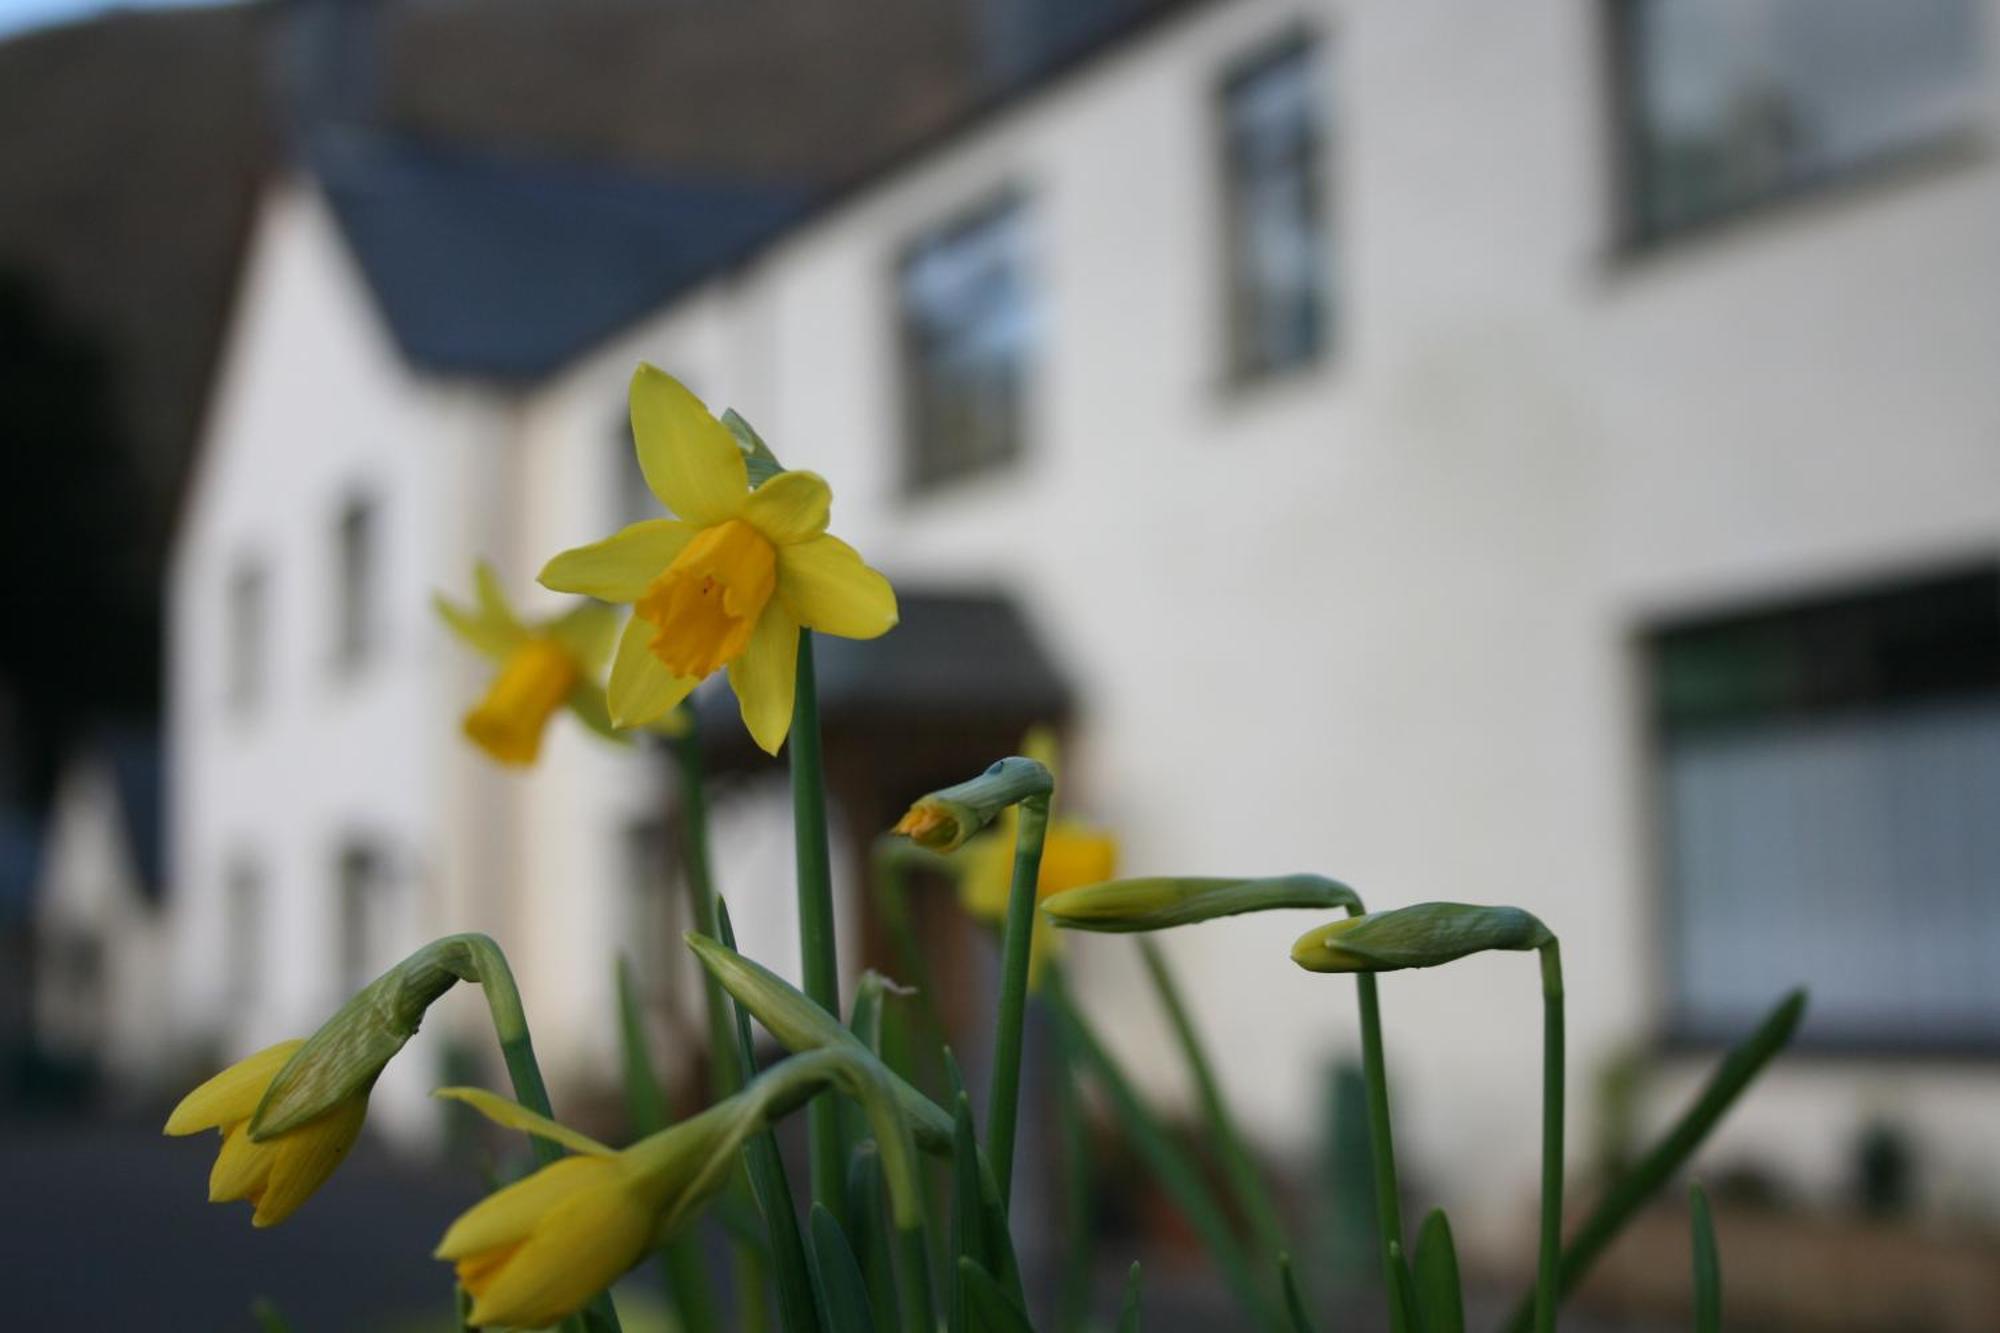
(943, 820)
(1160, 902)
(1426, 935)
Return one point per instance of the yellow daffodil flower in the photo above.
(544, 665)
(729, 582)
(1073, 854)
(280, 1173)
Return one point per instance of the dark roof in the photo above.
(953, 655)
(497, 266)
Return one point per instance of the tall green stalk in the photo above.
(1245, 1181)
(819, 956)
(1382, 1147)
(1003, 1103)
(1550, 1256)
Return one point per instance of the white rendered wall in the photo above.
(1375, 619)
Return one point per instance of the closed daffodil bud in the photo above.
(943, 820)
(279, 1172)
(1161, 902)
(1426, 935)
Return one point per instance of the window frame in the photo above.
(246, 634)
(1298, 41)
(1674, 1034)
(357, 615)
(914, 480)
(1625, 145)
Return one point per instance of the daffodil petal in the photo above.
(587, 633)
(791, 507)
(618, 568)
(241, 1167)
(691, 461)
(578, 1248)
(516, 1116)
(765, 676)
(303, 1158)
(506, 1216)
(825, 586)
(233, 1094)
(586, 701)
(641, 687)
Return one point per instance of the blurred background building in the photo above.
(1544, 453)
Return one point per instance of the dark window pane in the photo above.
(1733, 101)
(354, 596)
(245, 614)
(1827, 776)
(1276, 260)
(968, 327)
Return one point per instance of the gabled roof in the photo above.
(504, 267)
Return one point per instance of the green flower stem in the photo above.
(1252, 1194)
(477, 958)
(891, 861)
(820, 960)
(1382, 1147)
(1003, 1103)
(1744, 1062)
(725, 1073)
(1073, 1291)
(913, 1281)
(1549, 1258)
(1176, 1172)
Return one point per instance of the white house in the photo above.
(100, 945)
(1545, 454)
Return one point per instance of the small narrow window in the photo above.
(366, 915)
(1278, 304)
(651, 917)
(968, 330)
(1730, 103)
(244, 614)
(355, 591)
(243, 931)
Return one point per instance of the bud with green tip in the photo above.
(1161, 902)
(943, 820)
(1426, 935)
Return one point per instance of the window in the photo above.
(967, 328)
(1731, 102)
(243, 931)
(1827, 778)
(354, 593)
(1273, 220)
(243, 668)
(365, 915)
(654, 926)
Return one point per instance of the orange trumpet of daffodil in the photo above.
(726, 584)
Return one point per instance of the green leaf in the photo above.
(796, 1309)
(1440, 1299)
(869, 1228)
(1707, 1266)
(1737, 1071)
(1128, 1310)
(1409, 1308)
(1295, 1305)
(992, 1309)
(843, 1296)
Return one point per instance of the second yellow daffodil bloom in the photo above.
(280, 1173)
(728, 582)
(544, 665)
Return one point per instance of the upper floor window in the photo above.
(244, 612)
(1274, 218)
(243, 930)
(355, 575)
(1728, 103)
(1827, 775)
(968, 329)
(366, 909)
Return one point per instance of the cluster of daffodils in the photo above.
(730, 582)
